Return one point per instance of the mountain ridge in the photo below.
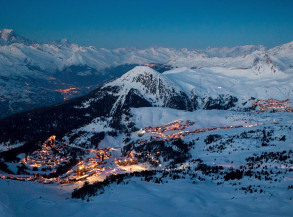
(70, 70)
(67, 53)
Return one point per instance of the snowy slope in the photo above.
(240, 83)
(283, 56)
(138, 198)
(144, 117)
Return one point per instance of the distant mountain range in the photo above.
(36, 74)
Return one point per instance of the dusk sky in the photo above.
(140, 23)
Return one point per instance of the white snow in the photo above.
(242, 83)
(177, 198)
(56, 55)
(155, 116)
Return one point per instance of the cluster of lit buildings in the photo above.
(97, 161)
(175, 125)
(162, 132)
(68, 92)
(125, 162)
(93, 165)
(50, 156)
(272, 105)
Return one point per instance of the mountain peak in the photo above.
(141, 70)
(136, 75)
(8, 36)
(149, 87)
(7, 31)
(264, 66)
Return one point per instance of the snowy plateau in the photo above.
(163, 132)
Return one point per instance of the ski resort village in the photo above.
(145, 130)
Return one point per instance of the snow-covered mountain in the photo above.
(149, 85)
(34, 74)
(20, 51)
(23, 53)
(283, 56)
(17, 51)
(264, 66)
(8, 37)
